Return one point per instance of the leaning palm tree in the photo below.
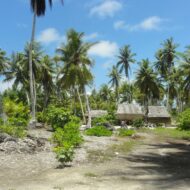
(115, 78)
(148, 84)
(38, 8)
(75, 72)
(126, 57)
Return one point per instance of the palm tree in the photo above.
(38, 8)
(46, 75)
(75, 72)
(3, 61)
(165, 63)
(115, 78)
(105, 92)
(125, 59)
(148, 84)
(127, 92)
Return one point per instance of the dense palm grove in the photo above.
(62, 80)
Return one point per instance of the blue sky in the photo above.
(143, 24)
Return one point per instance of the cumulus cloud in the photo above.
(104, 49)
(50, 35)
(150, 23)
(107, 8)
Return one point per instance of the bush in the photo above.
(14, 131)
(98, 131)
(64, 154)
(57, 117)
(70, 135)
(138, 123)
(126, 132)
(17, 113)
(67, 139)
(184, 120)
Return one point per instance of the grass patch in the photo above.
(89, 174)
(170, 133)
(100, 156)
(98, 131)
(125, 132)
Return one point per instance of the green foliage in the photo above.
(138, 123)
(107, 119)
(58, 117)
(65, 154)
(184, 120)
(70, 135)
(126, 132)
(67, 139)
(98, 131)
(14, 131)
(17, 113)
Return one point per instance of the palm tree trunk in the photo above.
(33, 110)
(27, 98)
(88, 109)
(82, 110)
(146, 109)
(168, 98)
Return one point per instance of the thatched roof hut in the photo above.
(97, 113)
(158, 114)
(128, 112)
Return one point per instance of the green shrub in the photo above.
(184, 120)
(126, 132)
(98, 131)
(14, 131)
(107, 119)
(64, 154)
(138, 123)
(70, 134)
(57, 117)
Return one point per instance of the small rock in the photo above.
(3, 136)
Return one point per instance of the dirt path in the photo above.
(154, 164)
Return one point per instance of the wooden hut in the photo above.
(129, 112)
(159, 114)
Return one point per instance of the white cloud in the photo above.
(50, 35)
(108, 8)
(150, 23)
(91, 36)
(105, 49)
(5, 85)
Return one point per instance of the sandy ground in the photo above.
(154, 164)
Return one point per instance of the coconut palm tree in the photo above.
(3, 61)
(165, 63)
(76, 69)
(127, 92)
(126, 57)
(115, 78)
(46, 75)
(148, 84)
(105, 92)
(38, 8)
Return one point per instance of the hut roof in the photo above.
(129, 109)
(97, 113)
(158, 112)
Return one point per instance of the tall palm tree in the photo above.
(126, 57)
(165, 63)
(115, 78)
(46, 75)
(127, 92)
(38, 8)
(148, 84)
(75, 72)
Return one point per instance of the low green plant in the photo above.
(15, 131)
(126, 132)
(184, 120)
(64, 154)
(138, 123)
(57, 117)
(98, 131)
